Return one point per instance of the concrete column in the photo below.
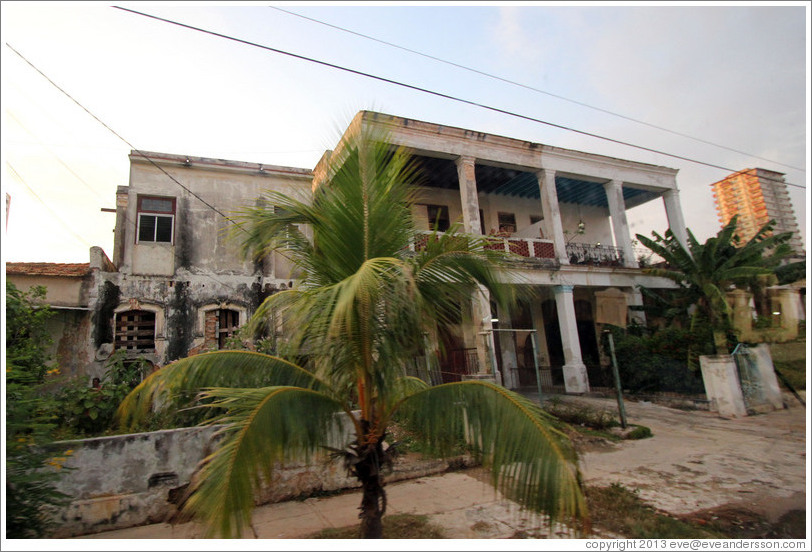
(673, 211)
(575, 376)
(722, 385)
(507, 345)
(636, 299)
(620, 225)
(469, 200)
(766, 372)
(552, 215)
(120, 235)
(481, 322)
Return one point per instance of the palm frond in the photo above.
(262, 427)
(531, 462)
(178, 384)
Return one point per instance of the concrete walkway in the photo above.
(695, 461)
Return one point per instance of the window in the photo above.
(507, 222)
(156, 219)
(438, 215)
(220, 324)
(135, 330)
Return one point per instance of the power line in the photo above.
(38, 198)
(432, 92)
(88, 186)
(531, 88)
(117, 135)
(126, 218)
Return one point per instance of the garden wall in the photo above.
(128, 480)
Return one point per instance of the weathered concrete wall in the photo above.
(722, 385)
(130, 480)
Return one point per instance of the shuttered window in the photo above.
(135, 330)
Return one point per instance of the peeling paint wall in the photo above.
(130, 480)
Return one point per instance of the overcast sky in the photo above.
(732, 75)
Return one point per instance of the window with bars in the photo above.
(220, 326)
(135, 331)
(156, 219)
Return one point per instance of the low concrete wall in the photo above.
(130, 480)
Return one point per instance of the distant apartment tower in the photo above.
(757, 196)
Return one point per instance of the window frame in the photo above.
(156, 214)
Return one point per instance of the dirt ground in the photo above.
(746, 476)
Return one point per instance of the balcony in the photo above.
(594, 254)
(541, 251)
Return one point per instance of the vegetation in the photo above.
(31, 472)
(401, 526)
(661, 360)
(621, 512)
(706, 272)
(84, 410)
(365, 305)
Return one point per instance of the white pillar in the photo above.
(636, 299)
(481, 302)
(552, 214)
(469, 201)
(673, 211)
(620, 225)
(507, 345)
(575, 376)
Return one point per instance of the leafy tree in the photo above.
(705, 272)
(31, 471)
(359, 314)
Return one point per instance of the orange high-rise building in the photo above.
(757, 196)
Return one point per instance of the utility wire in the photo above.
(38, 198)
(531, 88)
(432, 92)
(79, 178)
(136, 150)
(126, 218)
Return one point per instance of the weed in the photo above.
(401, 526)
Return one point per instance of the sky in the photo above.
(732, 75)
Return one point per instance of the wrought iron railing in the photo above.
(594, 254)
(524, 247)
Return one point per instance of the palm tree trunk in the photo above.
(373, 503)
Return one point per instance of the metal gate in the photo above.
(749, 377)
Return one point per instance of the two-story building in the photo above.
(180, 284)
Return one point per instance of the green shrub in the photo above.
(660, 360)
(86, 410)
(639, 432)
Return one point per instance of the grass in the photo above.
(620, 511)
(401, 526)
(790, 360)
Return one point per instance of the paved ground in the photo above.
(695, 461)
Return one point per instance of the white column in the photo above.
(549, 207)
(575, 376)
(481, 302)
(620, 225)
(469, 201)
(507, 345)
(636, 298)
(673, 211)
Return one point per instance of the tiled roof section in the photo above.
(70, 270)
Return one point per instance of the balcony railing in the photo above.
(594, 254)
(524, 247)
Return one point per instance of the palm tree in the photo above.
(365, 302)
(706, 272)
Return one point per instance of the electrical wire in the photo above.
(38, 198)
(434, 93)
(531, 88)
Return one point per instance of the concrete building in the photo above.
(757, 196)
(177, 284)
